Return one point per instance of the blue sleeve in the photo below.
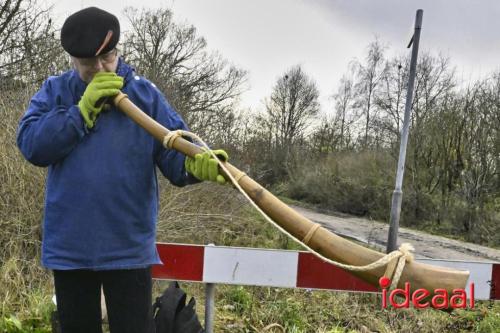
(48, 132)
(169, 161)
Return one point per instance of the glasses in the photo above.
(106, 58)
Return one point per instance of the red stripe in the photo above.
(315, 273)
(180, 262)
(495, 282)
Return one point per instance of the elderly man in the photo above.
(101, 200)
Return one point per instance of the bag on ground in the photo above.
(172, 315)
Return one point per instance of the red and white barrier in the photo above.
(290, 269)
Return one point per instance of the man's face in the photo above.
(88, 67)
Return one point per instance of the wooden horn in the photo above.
(328, 244)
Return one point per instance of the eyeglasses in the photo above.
(106, 58)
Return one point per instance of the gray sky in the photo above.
(266, 37)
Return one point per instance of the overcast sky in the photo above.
(266, 37)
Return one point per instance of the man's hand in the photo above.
(204, 167)
(104, 84)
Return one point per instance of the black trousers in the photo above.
(127, 294)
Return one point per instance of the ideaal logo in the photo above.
(440, 300)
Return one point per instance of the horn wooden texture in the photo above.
(326, 243)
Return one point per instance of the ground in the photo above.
(375, 234)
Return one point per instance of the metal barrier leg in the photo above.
(209, 307)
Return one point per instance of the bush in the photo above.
(358, 184)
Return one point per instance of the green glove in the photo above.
(204, 167)
(104, 84)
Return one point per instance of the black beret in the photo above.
(90, 31)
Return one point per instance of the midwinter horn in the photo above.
(331, 246)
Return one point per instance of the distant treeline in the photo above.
(344, 159)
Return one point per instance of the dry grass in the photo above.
(21, 203)
(208, 213)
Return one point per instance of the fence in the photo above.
(213, 265)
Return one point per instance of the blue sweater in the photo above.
(101, 199)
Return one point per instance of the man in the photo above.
(101, 198)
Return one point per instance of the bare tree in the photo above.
(344, 100)
(435, 78)
(200, 85)
(434, 86)
(494, 102)
(369, 76)
(10, 11)
(29, 49)
(480, 151)
(292, 104)
(390, 99)
(229, 130)
(333, 132)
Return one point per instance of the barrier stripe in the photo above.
(256, 267)
(290, 269)
(495, 282)
(180, 262)
(314, 273)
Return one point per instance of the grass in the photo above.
(199, 214)
(252, 309)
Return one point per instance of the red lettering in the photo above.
(419, 295)
(459, 299)
(384, 298)
(471, 295)
(405, 293)
(439, 300)
(384, 282)
(441, 294)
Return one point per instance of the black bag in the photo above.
(172, 315)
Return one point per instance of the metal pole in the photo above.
(397, 195)
(209, 307)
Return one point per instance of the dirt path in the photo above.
(426, 245)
